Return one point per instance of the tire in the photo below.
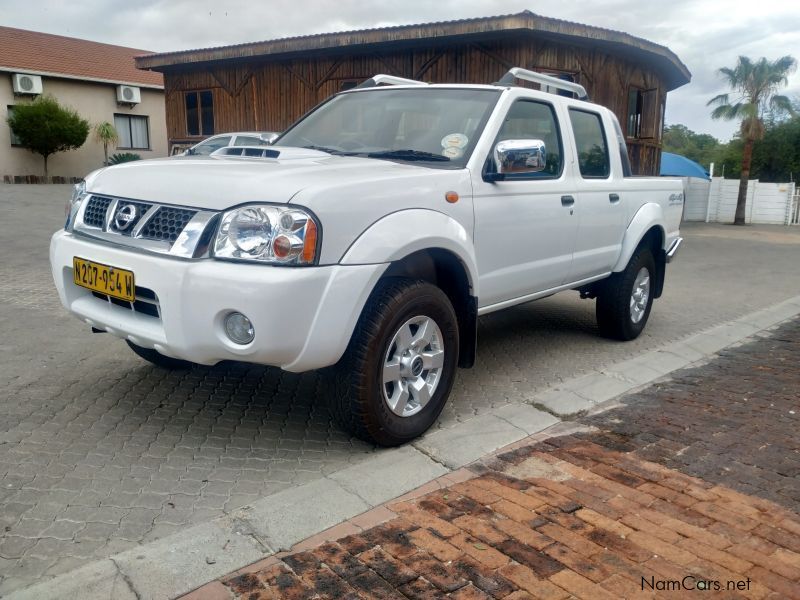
(159, 360)
(620, 315)
(370, 379)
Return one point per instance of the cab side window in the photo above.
(590, 140)
(532, 120)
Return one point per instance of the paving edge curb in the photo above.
(182, 562)
(588, 391)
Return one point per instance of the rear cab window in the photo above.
(590, 143)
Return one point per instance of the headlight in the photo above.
(267, 233)
(71, 208)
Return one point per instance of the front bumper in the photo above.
(303, 316)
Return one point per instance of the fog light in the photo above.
(239, 328)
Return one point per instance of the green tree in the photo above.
(699, 147)
(756, 85)
(106, 134)
(45, 127)
(728, 159)
(776, 157)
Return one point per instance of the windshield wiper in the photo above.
(408, 155)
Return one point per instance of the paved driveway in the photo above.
(100, 452)
(645, 498)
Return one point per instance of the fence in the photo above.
(767, 203)
(696, 193)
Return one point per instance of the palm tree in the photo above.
(756, 85)
(106, 135)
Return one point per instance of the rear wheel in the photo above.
(159, 360)
(398, 370)
(625, 299)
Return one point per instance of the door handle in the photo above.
(613, 198)
(567, 200)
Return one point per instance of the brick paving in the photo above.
(101, 453)
(692, 482)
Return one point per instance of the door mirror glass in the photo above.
(520, 156)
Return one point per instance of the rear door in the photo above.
(599, 201)
(524, 225)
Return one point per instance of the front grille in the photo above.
(146, 302)
(139, 211)
(155, 221)
(95, 213)
(167, 223)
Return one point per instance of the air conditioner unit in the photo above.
(27, 84)
(128, 94)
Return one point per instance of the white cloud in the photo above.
(705, 34)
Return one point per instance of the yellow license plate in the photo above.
(114, 282)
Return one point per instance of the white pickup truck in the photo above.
(371, 236)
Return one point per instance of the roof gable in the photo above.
(43, 53)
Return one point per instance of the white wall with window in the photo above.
(142, 127)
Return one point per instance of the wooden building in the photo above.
(265, 86)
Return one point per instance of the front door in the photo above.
(525, 225)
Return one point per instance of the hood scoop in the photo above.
(284, 153)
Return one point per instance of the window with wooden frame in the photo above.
(199, 113)
(644, 120)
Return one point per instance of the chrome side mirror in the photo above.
(520, 156)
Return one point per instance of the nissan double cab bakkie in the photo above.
(370, 237)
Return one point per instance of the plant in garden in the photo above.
(45, 127)
(106, 134)
(123, 157)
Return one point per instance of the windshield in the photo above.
(436, 126)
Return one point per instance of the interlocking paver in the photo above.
(81, 414)
(654, 537)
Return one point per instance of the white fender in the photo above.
(648, 216)
(399, 234)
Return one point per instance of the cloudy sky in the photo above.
(705, 34)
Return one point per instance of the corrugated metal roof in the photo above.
(523, 21)
(34, 52)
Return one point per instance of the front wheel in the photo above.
(398, 370)
(625, 299)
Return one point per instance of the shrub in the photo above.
(45, 127)
(123, 157)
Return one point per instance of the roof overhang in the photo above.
(524, 24)
(80, 78)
